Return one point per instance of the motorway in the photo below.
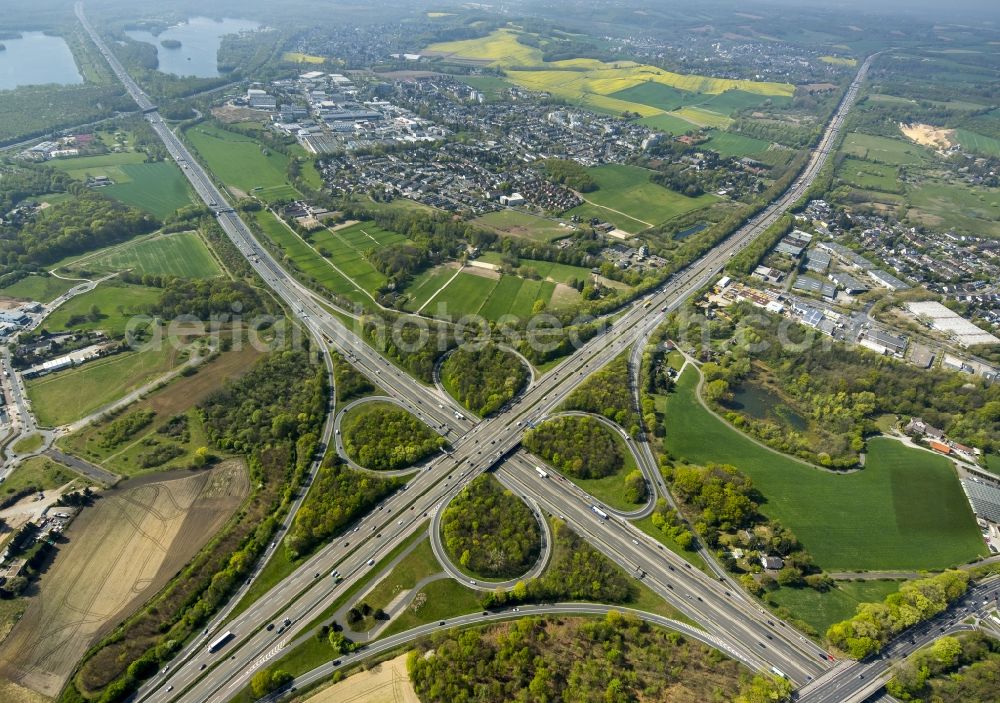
(743, 629)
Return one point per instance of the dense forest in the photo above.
(964, 668)
(20, 183)
(490, 531)
(273, 415)
(282, 399)
(220, 298)
(874, 624)
(578, 445)
(384, 437)
(483, 378)
(536, 659)
(338, 495)
(609, 393)
(87, 222)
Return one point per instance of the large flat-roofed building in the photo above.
(887, 280)
(950, 322)
(807, 284)
(850, 284)
(817, 260)
(895, 344)
(984, 498)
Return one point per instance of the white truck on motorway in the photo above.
(541, 472)
(603, 515)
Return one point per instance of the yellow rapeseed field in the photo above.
(592, 82)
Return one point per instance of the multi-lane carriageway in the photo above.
(743, 629)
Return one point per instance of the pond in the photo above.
(35, 58)
(756, 401)
(685, 233)
(198, 52)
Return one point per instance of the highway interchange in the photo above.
(735, 624)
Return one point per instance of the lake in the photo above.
(36, 59)
(757, 402)
(200, 38)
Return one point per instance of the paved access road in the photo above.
(731, 618)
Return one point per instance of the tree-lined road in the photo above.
(740, 627)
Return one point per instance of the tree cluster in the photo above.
(751, 255)
(124, 427)
(576, 571)
(678, 178)
(348, 382)
(87, 222)
(339, 495)
(407, 344)
(267, 681)
(483, 378)
(667, 521)
(616, 659)
(874, 624)
(570, 174)
(724, 496)
(609, 393)
(281, 399)
(954, 669)
(208, 298)
(578, 445)
(22, 183)
(490, 531)
(384, 437)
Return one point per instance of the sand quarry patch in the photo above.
(120, 552)
(926, 135)
(386, 683)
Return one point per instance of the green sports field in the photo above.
(522, 224)
(657, 95)
(72, 394)
(727, 144)
(348, 247)
(182, 254)
(820, 610)
(904, 510)
(492, 297)
(669, 123)
(158, 187)
(108, 165)
(869, 175)
(308, 260)
(895, 152)
(628, 199)
(116, 303)
(423, 286)
(40, 288)
(988, 146)
(975, 210)
(242, 162)
(464, 295)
